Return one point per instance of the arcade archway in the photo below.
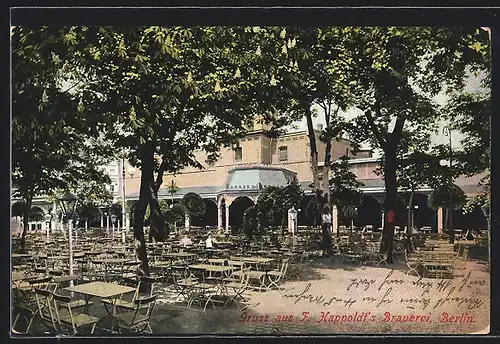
(236, 211)
(210, 216)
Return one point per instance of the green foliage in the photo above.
(18, 208)
(349, 211)
(175, 214)
(172, 188)
(443, 195)
(55, 142)
(275, 201)
(194, 204)
(116, 209)
(344, 186)
(94, 192)
(251, 221)
(89, 212)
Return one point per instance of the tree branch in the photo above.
(159, 177)
(397, 132)
(375, 129)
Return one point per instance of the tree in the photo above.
(172, 190)
(304, 72)
(36, 214)
(344, 190)
(18, 208)
(52, 139)
(89, 212)
(448, 197)
(194, 205)
(175, 215)
(350, 212)
(251, 221)
(396, 74)
(275, 201)
(166, 89)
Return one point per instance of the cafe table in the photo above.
(203, 288)
(103, 290)
(257, 261)
(110, 262)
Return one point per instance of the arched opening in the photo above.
(236, 211)
(473, 220)
(36, 214)
(308, 212)
(18, 208)
(423, 216)
(210, 216)
(369, 213)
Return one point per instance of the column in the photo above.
(227, 218)
(102, 220)
(335, 219)
(186, 222)
(383, 219)
(440, 220)
(219, 217)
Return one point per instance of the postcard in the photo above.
(268, 180)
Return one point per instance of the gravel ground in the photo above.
(342, 299)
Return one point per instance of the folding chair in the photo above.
(70, 321)
(296, 269)
(236, 289)
(143, 281)
(137, 320)
(276, 276)
(26, 304)
(46, 309)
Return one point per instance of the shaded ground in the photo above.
(359, 294)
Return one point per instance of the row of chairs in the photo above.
(63, 314)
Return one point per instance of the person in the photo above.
(210, 242)
(326, 224)
(185, 241)
(326, 219)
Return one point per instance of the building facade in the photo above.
(233, 182)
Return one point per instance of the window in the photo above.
(347, 152)
(283, 153)
(210, 164)
(112, 188)
(238, 153)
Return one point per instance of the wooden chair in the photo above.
(68, 319)
(144, 282)
(138, 320)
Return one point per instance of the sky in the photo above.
(473, 85)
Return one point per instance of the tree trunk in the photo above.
(158, 227)
(327, 240)
(140, 209)
(26, 216)
(313, 151)
(391, 196)
(410, 209)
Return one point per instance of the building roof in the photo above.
(257, 177)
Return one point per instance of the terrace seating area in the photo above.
(104, 290)
(103, 283)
